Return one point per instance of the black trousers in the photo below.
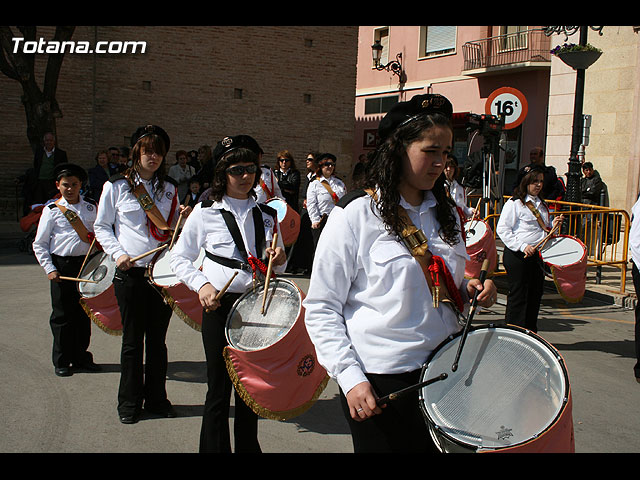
(70, 325)
(145, 320)
(636, 284)
(526, 283)
(214, 434)
(401, 428)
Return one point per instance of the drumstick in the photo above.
(224, 289)
(74, 279)
(87, 255)
(266, 282)
(135, 259)
(545, 239)
(175, 232)
(399, 393)
(476, 214)
(472, 311)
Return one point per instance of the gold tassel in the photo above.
(179, 312)
(98, 323)
(259, 409)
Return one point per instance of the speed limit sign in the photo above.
(510, 103)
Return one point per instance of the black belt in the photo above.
(229, 262)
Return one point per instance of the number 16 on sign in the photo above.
(510, 103)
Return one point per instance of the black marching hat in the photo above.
(228, 144)
(70, 170)
(404, 112)
(147, 130)
(324, 156)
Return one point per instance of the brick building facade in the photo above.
(289, 87)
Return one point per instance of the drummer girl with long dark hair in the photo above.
(372, 312)
(236, 234)
(524, 222)
(138, 209)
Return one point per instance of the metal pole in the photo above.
(573, 176)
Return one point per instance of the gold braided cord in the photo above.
(263, 411)
(179, 312)
(95, 320)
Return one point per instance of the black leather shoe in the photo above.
(130, 419)
(63, 371)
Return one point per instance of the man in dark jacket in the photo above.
(592, 186)
(40, 183)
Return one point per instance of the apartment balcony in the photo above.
(526, 50)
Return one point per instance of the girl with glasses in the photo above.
(323, 194)
(232, 206)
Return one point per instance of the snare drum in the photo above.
(567, 258)
(160, 272)
(99, 299)
(270, 358)
(288, 219)
(481, 245)
(510, 393)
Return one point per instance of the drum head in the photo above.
(475, 230)
(161, 273)
(509, 387)
(280, 207)
(562, 251)
(248, 329)
(100, 268)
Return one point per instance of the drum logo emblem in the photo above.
(504, 433)
(306, 365)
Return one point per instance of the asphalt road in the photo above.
(43, 413)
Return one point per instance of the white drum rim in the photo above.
(437, 430)
(485, 227)
(558, 238)
(103, 256)
(164, 254)
(259, 288)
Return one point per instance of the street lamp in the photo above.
(573, 193)
(394, 66)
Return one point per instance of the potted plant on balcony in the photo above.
(577, 56)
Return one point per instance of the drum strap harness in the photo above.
(326, 185)
(536, 213)
(253, 264)
(73, 218)
(439, 279)
(266, 189)
(159, 228)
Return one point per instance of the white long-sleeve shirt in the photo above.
(56, 236)
(518, 227)
(121, 225)
(206, 229)
(459, 196)
(267, 176)
(319, 200)
(368, 307)
(634, 234)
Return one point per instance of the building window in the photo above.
(382, 35)
(306, 98)
(379, 104)
(237, 93)
(437, 40)
(513, 38)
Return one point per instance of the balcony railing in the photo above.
(507, 50)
